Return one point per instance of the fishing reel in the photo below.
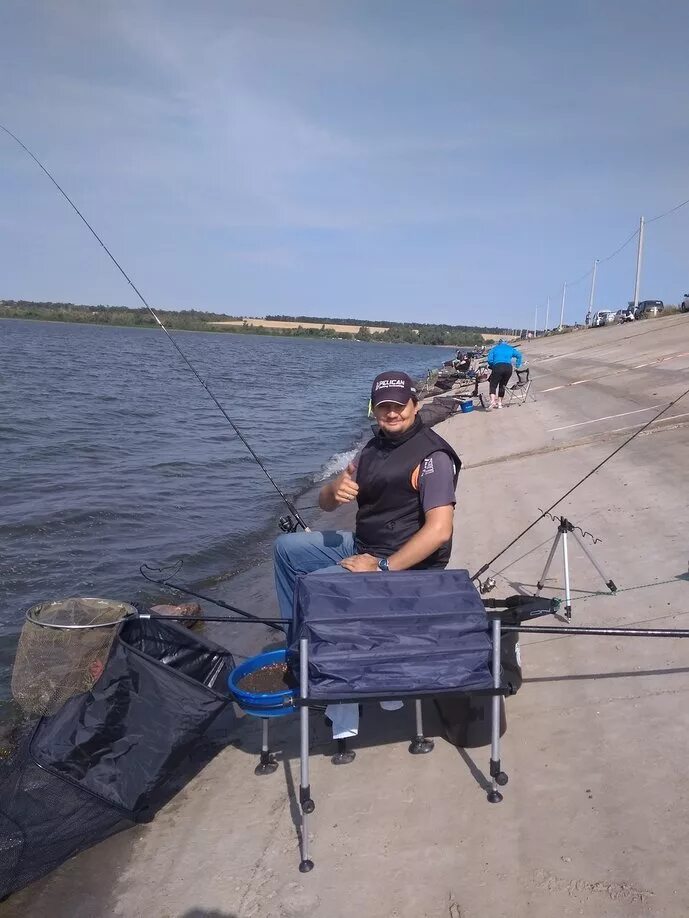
(287, 524)
(486, 585)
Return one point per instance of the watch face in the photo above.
(383, 564)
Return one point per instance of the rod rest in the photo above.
(517, 609)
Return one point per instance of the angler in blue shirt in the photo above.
(500, 362)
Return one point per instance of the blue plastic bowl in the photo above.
(261, 704)
(467, 406)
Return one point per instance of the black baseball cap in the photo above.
(392, 386)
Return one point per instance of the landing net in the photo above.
(62, 650)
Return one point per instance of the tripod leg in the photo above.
(541, 581)
(568, 598)
(610, 584)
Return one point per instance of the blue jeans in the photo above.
(301, 553)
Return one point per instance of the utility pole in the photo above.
(639, 253)
(593, 287)
(535, 322)
(547, 314)
(562, 306)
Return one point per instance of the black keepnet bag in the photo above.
(397, 633)
(112, 756)
(126, 739)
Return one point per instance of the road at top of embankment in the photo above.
(594, 818)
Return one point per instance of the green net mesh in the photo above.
(62, 650)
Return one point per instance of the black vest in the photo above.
(390, 510)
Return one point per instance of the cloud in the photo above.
(381, 144)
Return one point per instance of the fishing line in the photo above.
(293, 510)
(581, 481)
(145, 570)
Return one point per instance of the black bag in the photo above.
(111, 757)
(466, 719)
(435, 412)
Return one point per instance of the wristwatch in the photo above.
(383, 565)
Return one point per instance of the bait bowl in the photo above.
(261, 704)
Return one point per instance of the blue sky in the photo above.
(440, 161)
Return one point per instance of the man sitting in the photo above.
(403, 481)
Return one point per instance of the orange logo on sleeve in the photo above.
(414, 478)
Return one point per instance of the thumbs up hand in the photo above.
(346, 488)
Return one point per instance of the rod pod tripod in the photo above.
(564, 529)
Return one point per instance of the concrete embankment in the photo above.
(594, 819)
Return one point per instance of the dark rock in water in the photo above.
(273, 678)
(190, 610)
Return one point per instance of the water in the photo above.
(113, 454)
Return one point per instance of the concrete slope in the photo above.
(595, 816)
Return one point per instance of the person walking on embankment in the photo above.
(500, 362)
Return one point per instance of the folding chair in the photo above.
(519, 392)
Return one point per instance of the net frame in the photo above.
(62, 650)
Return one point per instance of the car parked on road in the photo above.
(602, 317)
(648, 308)
(624, 315)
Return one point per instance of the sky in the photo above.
(429, 161)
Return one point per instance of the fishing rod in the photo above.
(581, 481)
(276, 625)
(284, 524)
(606, 632)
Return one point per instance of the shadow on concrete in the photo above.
(294, 807)
(206, 913)
(474, 770)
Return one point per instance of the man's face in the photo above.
(395, 420)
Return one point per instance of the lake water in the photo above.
(113, 454)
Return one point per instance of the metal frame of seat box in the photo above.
(498, 777)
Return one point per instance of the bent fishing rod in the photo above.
(581, 481)
(292, 509)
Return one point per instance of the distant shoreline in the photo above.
(228, 329)
(202, 331)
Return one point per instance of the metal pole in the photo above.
(568, 598)
(593, 284)
(562, 306)
(497, 777)
(639, 253)
(601, 632)
(535, 322)
(307, 805)
(547, 314)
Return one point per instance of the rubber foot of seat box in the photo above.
(305, 866)
(266, 767)
(421, 746)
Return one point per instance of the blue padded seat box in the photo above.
(391, 633)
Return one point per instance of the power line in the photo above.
(618, 250)
(668, 212)
(624, 245)
(580, 279)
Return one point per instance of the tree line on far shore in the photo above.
(197, 320)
